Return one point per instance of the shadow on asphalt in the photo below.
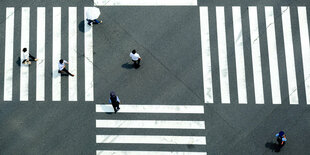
(273, 146)
(127, 65)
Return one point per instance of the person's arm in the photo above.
(119, 101)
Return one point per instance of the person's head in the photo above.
(24, 49)
(281, 133)
(134, 52)
(112, 94)
(61, 61)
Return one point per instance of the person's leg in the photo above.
(32, 58)
(134, 63)
(114, 107)
(65, 70)
(97, 21)
(138, 62)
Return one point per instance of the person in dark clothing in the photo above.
(95, 21)
(281, 139)
(114, 100)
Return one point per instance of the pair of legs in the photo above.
(95, 21)
(66, 71)
(115, 107)
(31, 58)
(136, 63)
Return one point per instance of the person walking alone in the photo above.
(135, 57)
(281, 139)
(62, 67)
(27, 57)
(90, 22)
(114, 100)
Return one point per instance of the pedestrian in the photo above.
(114, 100)
(281, 139)
(90, 22)
(135, 57)
(62, 67)
(27, 57)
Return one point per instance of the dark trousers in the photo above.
(280, 141)
(66, 71)
(115, 106)
(31, 58)
(136, 63)
(95, 21)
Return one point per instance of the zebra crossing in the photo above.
(256, 33)
(170, 133)
(42, 76)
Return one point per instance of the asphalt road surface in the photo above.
(206, 85)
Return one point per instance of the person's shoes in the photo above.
(35, 59)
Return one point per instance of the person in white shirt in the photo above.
(62, 67)
(27, 57)
(135, 57)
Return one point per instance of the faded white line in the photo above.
(256, 57)
(156, 124)
(146, 139)
(40, 85)
(24, 69)
(222, 54)
(305, 48)
(206, 55)
(72, 95)
(273, 57)
(9, 46)
(88, 60)
(145, 2)
(56, 53)
(194, 109)
(240, 67)
(289, 55)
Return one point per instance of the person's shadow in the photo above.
(18, 61)
(127, 65)
(83, 27)
(273, 146)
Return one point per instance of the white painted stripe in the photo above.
(56, 53)
(273, 57)
(289, 55)
(72, 95)
(256, 57)
(305, 48)
(240, 66)
(195, 109)
(113, 152)
(145, 2)
(206, 55)
(8, 65)
(222, 52)
(40, 86)
(145, 139)
(89, 80)
(156, 124)
(24, 69)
